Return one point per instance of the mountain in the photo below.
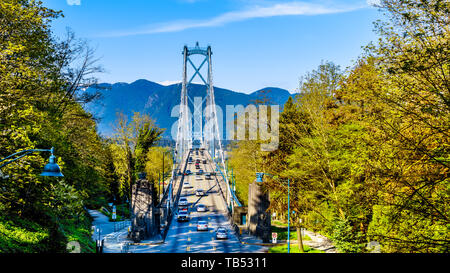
(158, 101)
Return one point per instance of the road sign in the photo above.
(274, 237)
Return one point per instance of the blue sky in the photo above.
(256, 44)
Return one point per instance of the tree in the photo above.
(413, 131)
(158, 164)
(132, 142)
(33, 81)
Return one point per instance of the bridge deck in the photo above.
(183, 237)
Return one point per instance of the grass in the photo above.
(80, 232)
(282, 231)
(294, 249)
(21, 236)
(18, 235)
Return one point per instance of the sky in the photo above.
(255, 43)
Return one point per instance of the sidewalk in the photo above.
(104, 230)
(320, 242)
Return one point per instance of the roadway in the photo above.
(183, 237)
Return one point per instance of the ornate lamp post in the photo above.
(51, 169)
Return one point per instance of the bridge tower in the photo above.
(201, 127)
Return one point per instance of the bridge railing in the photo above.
(233, 195)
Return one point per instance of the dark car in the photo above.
(183, 216)
(208, 176)
(188, 172)
(183, 209)
(200, 172)
(204, 161)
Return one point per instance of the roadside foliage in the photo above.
(367, 149)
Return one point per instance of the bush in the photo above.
(346, 238)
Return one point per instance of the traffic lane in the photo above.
(232, 244)
(215, 218)
(200, 241)
(220, 220)
(203, 241)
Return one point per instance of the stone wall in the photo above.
(258, 218)
(144, 222)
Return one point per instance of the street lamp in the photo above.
(51, 169)
(259, 178)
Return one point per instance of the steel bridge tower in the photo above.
(202, 126)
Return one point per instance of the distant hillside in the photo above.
(158, 101)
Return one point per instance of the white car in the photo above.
(221, 233)
(201, 208)
(199, 192)
(183, 201)
(198, 177)
(186, 185)
(202, 226)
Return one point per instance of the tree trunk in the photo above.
(300, 240)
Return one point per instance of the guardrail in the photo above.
(121, 225)
(229, 188)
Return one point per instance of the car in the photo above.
(200, 172)
(200, 192)
(197, 167)
(201, 208)
(202, 226)
(187, 185)
(188, 172)
(208, 176)
(204, 161)
(183, 209)
(221, 233)
(198, 177)
(183, 201)
(183, 216)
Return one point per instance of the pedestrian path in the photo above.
(113, 234)
(320, 242)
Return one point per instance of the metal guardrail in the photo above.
(229, 188)
(121, 225)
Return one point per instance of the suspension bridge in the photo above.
(199, 167)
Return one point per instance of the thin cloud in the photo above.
(73, 2)
(284, 9)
